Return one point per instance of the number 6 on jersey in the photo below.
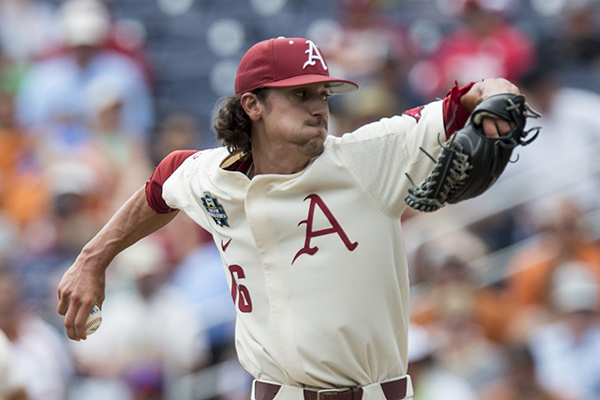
(244, 304)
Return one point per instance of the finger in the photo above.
(63, 304)
(63, 300)
(489, 127)
(503, 127)
(80, 319)
(69, 322)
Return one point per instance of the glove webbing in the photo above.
(456, 175)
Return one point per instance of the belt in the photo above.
(393, 390)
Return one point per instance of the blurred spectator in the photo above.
(484, 45)
(570, 129)
(54, 240)
(150, 335)
(453, 293)
(10, 74)
(125, 156)
(373, 102)
(76, 207)
(177, 131)
(11, 386)
(465, 316)
(145, 381)
(129, 38)
(566, 351)
(567, 145)
(564, 238)
(40, 355)
(520, 382)
(22, 187)
(367, 46)
(10, 240)
(57, 90)
(430, 380)
(499, 230)
(572, 45)
(429, 256)
(26, 29)
(197, 271)
(235, 383)
(200, 276)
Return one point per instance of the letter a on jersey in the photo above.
(314, 54)
(315, 201)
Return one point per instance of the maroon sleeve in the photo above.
(455, 115)
(164, 170)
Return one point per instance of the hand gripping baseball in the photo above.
(470, 161)
(80, 290)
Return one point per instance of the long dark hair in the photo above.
(232, 125)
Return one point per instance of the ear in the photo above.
(251, 106)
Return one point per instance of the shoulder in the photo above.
(400, 124)
(206, 159)
(186, 165)
(192, 160)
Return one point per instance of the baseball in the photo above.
(94, 320)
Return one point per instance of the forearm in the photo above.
(132, 222)
(82, 285)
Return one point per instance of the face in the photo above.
(295, 119)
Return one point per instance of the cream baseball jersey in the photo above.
(315, 260)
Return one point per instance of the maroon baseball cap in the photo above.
(285, 62)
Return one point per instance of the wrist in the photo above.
(484, 89)
(455, 113)
(472, 97)
(95, 257)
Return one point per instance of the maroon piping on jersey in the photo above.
(164, 170)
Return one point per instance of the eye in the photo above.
(326, 96)
(301, 93)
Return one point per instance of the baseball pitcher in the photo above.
(308, 225)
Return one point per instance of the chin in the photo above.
(315, 147)
(315, 144)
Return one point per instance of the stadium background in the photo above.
(504, 287)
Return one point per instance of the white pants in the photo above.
(370, 392)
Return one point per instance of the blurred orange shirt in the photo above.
(23, 194)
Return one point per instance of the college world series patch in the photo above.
(215, 210)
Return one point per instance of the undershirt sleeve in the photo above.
(164, 170)
(455, 115)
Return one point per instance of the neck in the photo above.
(273, 164)
(277, 158)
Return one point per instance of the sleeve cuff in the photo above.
(455, 115)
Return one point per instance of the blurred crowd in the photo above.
(505, 289)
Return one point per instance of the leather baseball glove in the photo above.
(470, 161)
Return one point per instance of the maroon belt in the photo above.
(393, 390)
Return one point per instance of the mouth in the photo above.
(318, 124)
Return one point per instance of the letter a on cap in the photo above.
(313, 54)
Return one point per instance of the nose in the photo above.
(319, 107)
